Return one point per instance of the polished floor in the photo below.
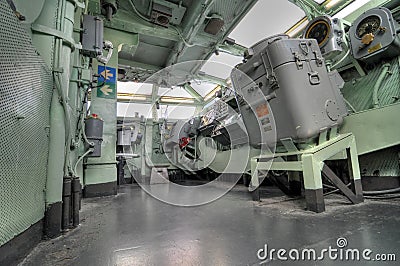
(133, 228)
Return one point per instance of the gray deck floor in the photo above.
(133, 228)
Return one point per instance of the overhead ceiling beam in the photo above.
(232, 49)
(189, 89)
(130, 22)
(211, 79)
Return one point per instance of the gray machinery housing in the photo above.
(94, 133)
(329, 33)
(285, 92)
(373, 35)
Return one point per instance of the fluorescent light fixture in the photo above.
(332, 3)
(176, 100)
(127, 96)
(298, 27)
(212, 93)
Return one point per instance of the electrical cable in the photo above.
(137, 12)
(383, 197)
(181, 36)
(80, 158)
(381, 192)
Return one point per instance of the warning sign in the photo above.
(262, 110)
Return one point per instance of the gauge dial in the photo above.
(368, 25)
(319, 31)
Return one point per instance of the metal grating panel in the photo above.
(25, 95)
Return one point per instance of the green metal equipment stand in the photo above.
(311, 163)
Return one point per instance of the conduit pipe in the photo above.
(384, 72)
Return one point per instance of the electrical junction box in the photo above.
(373, 36)
(92, 36)
(164, 13)
(94, 133)
(285, 92)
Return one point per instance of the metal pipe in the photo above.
(66, 203)
(385, 70)
(350, 105)
(67, 119)
(109, 12)
(86, 6)
(109, 47)
(50, 16)
(76, 189)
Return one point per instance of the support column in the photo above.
(100, 174)
(255, 182)
(313, 183)
(294, 178)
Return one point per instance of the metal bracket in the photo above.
(56, 33)
(271, 77)
(319, 60)
(298, 61)
(354, 197)
(289, 145)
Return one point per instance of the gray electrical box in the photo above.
(284, 91)
(373, 35)
(94, 133)
(92, 36)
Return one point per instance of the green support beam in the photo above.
(193, 93)
(131, 23)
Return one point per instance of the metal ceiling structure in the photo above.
(170, 41)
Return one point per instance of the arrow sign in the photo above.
(106, 74)
(106, 89)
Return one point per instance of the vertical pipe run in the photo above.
(66, 203)
(109, 12)
(76, 189)
(384, 72)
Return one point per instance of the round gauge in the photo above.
(319, 31)
(368, 25)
